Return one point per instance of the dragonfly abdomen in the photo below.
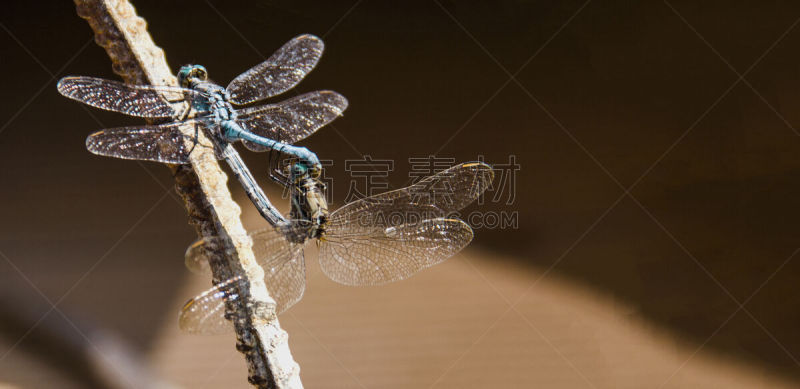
(233, 131)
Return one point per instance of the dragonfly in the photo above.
(202, 105)
(372, 241)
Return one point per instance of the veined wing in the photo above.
(147, 101)
(195, 258)
(433, 196)
(392, 253)
(205, 313)
(282, 261)
(390, 236)
(284, 267)
(283, 70)
(292, 120)
(160, 143)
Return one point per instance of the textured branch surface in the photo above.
(203, 186)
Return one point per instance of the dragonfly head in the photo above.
(299, 172)
(315, 171)
(191, 74)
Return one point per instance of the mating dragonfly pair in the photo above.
(372, 241)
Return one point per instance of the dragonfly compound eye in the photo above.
(315, 172)
(184, 74)
(200, 72)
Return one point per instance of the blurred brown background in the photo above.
(656, 196)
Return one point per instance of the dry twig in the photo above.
(203, 186)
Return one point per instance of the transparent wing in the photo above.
(283, 70)
(161, 143)
(205, 313)
(433, 196)
(292, 120)
(195, 258)
(284, 267)
(282, 261)
(146, 101)
(379, 256)
(393, 235)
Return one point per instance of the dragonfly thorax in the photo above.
(217, 98)
(309, 207)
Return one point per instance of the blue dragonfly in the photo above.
(372, 241)
(201, 105)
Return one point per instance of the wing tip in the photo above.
(187, 306)
(479, 167)
(309, 37)
(63, 85)
(461, 223)
(337, 99)
(60, 84)
(90, 144)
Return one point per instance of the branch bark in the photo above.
(203, 187)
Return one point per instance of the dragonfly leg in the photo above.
(196, 140)
(274, 169)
